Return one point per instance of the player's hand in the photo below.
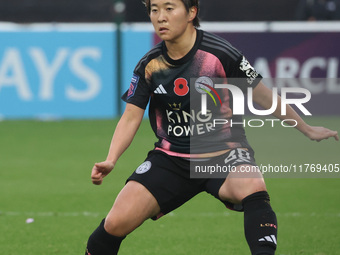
(100, 170)
(320, 133)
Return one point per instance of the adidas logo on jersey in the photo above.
(270, 238)
(160, 90)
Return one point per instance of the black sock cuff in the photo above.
(261, 195)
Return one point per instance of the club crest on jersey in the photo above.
(181, 87)
(144, 167)
(133, 85)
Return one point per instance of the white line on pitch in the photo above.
(172, 214)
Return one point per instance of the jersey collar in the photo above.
(188, 56)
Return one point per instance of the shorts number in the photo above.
(239, 155)
(181, 87)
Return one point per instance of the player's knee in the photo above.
(118, 226)
(236, 189)
(102, 242)
(251, 186)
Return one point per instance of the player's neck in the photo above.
(178, 48)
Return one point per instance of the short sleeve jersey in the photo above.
(176, 90)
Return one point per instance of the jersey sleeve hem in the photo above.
(134, 103)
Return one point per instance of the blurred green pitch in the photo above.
(45, 175)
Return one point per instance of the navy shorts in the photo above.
(168, 179)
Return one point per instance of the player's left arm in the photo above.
(263, 96)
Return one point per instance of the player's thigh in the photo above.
(243, 181)
(133, 205)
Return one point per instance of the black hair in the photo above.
(187, 3)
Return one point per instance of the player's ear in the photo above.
(192, 13)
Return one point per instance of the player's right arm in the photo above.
(263, 97)
(122, 138)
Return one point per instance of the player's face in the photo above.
(170, 18)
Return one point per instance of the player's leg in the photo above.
(260, 222)
(158, 186)
(132, 207)
(240, 184)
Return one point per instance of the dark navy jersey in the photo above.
(188, 112)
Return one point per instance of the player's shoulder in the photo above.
(219, 46)
(151, 54)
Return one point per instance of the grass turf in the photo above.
(45, 175)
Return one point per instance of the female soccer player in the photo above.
(185, 135)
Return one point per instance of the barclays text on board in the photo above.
(57, 75)
(14, 75)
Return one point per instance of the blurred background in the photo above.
(73, 59)
(217, 10)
